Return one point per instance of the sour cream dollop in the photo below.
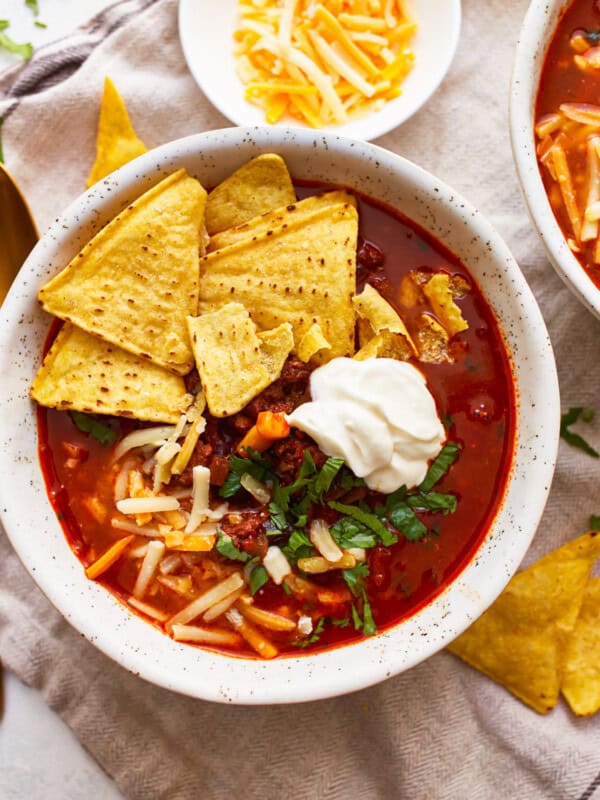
(378, 415)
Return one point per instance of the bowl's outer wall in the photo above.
(39, 540)
(536, 33)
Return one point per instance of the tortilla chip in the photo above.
(261, 185)
(275, 347)
(234, 364)
(371, 307)
(83, 373)
(440, 293)
(580, 682)
(136, 281)
(432, 340)
(117, 142)
(386, 345)
(312, 343)
(279, 217)
(518, 641)
(410, 293)
(304, 273)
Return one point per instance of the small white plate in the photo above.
(206, 28)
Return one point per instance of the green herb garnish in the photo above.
(368, 519)
(595, 522)
(298, 546)
(314, 637)
(39, 24)
(258, 577)
(23, 50)
(355, 581)
(440, 465)
(348, 532)
(255, 464)
(402, 517)
(574, 439)
(98, 430)
(226, 547)
(33, 5)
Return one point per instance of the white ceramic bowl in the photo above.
(39, 540)
(535, 36)
(206, 28)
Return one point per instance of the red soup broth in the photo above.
(563, 81)
(475, 399)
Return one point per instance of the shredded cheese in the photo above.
(301, 57)
(276, 564)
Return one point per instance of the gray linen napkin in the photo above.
(440, 731)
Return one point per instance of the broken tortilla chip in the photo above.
(136, 281)
(234, 364)
(312, 343)
(259, 186)
(432, 340)
(440, 291)
(279, 217)
(83, 373)
(580, 682)
(386, 345)
(519, 640)
(117, 143)
(303, 273)
(373, 309)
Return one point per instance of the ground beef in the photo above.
(244, 526)
(369, 267)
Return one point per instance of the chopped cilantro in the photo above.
(23, 50)
(34, 6)
(226, 547)
(355, 576)
(258, 577)
(595, 522)
(348, 532)
(402, 517)
(324, 479)
(574, 439)
(348, 480)
(368, 519)
(298, 546)
(432, 501)
(39, 24)
(278, 517)
(341, 623)
(355, 581)
(98, 430)
(255, 464)
(440, 465)
(314, 637)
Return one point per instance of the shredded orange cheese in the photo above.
(323, 63)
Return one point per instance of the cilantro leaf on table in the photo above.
(440, 465)
(33, 5)
(574, 439)
(24, 50)
(87, 423)
(226, 547)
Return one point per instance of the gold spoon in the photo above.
(18, 233)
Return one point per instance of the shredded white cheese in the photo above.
(147, 505)
(305, 625)
(276, 564)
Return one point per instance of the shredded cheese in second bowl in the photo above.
(323, 62)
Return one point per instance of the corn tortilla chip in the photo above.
(440, 292)
(580, 682)
(233, 363)
(312, 342)
(259, 186)
(301, 274)
(519, 640)
(432, 340)
(136, 281)
(279, 217)
(372, 308)
(83, 373)
(117, 142)
(275, 347)
(386, 345)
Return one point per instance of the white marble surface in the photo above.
(40, 759)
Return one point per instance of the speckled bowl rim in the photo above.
(40, 543)
(534, 38)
